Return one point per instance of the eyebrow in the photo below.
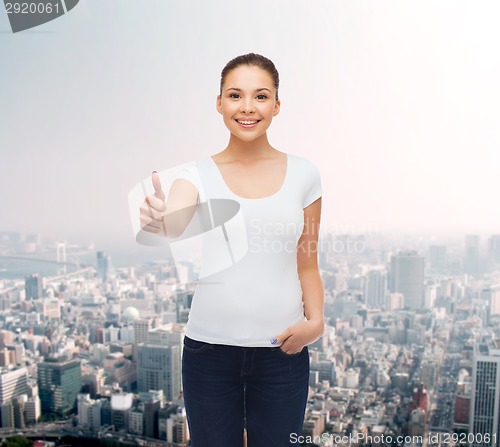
(239, 89)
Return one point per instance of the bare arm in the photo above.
(169, 218)
(295, 337)
(307, 265)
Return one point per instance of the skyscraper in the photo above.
(33, 286)
(491, 297)
(471, 259)
(438, 259)
(158, 368)
(494, 249)
(485, 400)
(102, 266)
(13, 383)
(142, 328)
(375, 289)
(152, 403)
(59, 382)
(407, 277)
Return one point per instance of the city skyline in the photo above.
(397, 355)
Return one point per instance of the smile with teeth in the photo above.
(247, 122)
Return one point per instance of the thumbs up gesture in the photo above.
(154, 209)
(157, 186)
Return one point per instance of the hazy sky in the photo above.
(397, 102)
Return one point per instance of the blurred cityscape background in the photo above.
(412, 347)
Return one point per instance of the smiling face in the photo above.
(248, 102)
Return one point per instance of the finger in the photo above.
(149, 211)
(151, 229)
(280, 338)
(157, 186)
(146, 220)
(155, 203)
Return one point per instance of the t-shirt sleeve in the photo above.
(190, 173)
(313, 189)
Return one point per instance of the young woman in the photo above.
(245, 359)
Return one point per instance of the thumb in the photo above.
(279, 339)
(157, 186)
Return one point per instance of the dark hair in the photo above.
(251, 59)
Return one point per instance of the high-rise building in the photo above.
(18, 405)
(102, 266)
(171, 333)
(6, 338)
(7, 414)
(438, 259)
(428, 373)
(485, 399)
(89, 412)
(177, 428)
(158, 368)
(430, 295)
(152, 404)
(121, 404)
(7, 356)
(325, 370)
(33, 286)
(376, 289)
(33, 409)
(105, 268)
(136, 421)
(407, 277)
(491, 297)
(351, 378)
(472, 255)
(84, 403)
(142, 328)
(172, 423)
(59, 382)
(394, 301)
(13, 383)
(461, 414)
(50, 308)
(163, 416)
(494, 249)
(106, 412)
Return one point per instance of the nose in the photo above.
(247, 105)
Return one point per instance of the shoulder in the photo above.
(306, 179)
(303, 165)
(194, 168)
(193, 172)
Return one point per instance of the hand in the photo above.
(154, 209)
(299, 335)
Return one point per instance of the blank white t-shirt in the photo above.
(258, 297)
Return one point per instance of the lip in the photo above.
(247, 126)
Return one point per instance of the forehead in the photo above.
(250, 77)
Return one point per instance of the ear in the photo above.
(218, 104)
(277, 107)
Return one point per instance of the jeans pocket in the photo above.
(195, 346)
(296, 354)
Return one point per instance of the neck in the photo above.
(248, 150)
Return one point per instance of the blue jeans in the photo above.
(229, 387)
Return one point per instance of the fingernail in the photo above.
(147, 200)
(154, 172)
(274, 340)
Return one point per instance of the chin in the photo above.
(247, 138)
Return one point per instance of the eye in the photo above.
(234, 95)
(262, 96)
